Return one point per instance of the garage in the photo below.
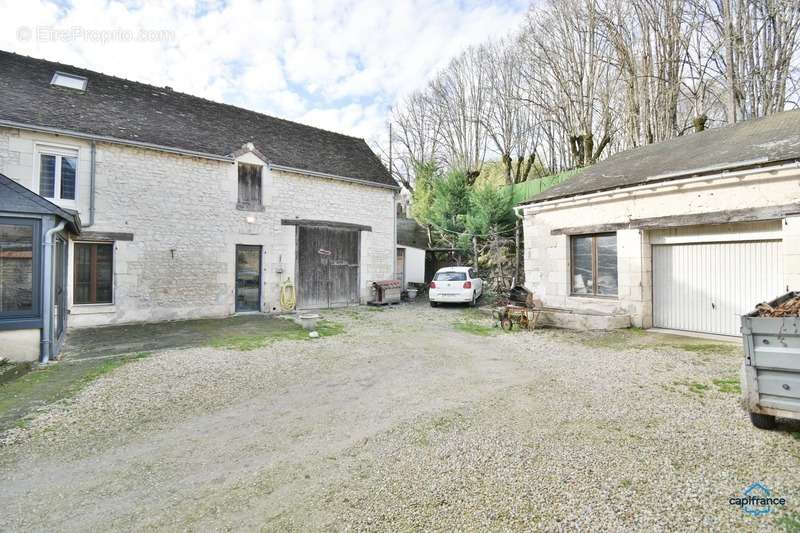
(704, 279)
(328, 265)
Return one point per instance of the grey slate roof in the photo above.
(15, 198)
(127, 110)
(751, 143)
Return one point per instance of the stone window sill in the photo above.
(250, 207)
(92, 309)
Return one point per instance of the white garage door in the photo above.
(706, 287)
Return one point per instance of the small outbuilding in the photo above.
(412, 244)
(33, 272)
(686, 234)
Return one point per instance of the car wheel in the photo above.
(474, 301)
(762, 421)
(434, 304)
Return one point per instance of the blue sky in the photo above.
(338, 65)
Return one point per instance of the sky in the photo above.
(337, 65)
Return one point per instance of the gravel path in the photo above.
(402, 423)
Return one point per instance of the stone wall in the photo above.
(185, 223)
(547, 257)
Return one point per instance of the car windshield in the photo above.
(450, 276)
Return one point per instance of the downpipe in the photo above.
(47, 291)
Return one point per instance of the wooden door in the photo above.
(327, 262)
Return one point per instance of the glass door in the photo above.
(59, 284)
(248, 278)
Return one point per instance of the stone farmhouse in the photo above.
(125, 202)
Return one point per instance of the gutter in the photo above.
(115, 140)
(92, 183)
(47, 291)
(333, 177)
(652, 185)
(178, 151)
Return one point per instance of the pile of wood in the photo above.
(790, 307)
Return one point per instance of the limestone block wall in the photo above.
(547, 256)
(182, 212)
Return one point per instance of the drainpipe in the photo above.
(520, 217)
(92, 174)
(47, 291)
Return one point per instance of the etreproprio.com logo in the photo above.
(757, 500)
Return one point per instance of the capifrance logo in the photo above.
(757, 500)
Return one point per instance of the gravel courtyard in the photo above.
(412, 418)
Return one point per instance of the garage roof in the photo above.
(752, 143)
(125, 110)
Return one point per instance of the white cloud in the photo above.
(334, 64)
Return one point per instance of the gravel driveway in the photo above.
(404, 422)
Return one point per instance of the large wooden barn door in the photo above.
(327, 260)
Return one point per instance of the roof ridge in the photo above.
(163, 88)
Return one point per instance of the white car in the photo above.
(455, 285)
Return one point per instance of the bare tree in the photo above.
(510, 120)
(760, 40)
(565, 37)
(460, 98)
(415, 135)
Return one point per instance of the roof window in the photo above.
(69, 81)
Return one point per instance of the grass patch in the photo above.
(474, 328)
(694, 387)
(288, 332)
(708, 348)
(328, 328)
(729, 385)
(57, 381)
(789, 521)
(640, 339)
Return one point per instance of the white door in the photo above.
(706, 287)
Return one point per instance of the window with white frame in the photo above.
(58, 172)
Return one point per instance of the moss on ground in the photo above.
(729, 385)
(640, 339)
(474, 328)
(57, 381)
(284, 330)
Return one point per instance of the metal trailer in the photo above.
(771, 369)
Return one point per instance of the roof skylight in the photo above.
(69, 81)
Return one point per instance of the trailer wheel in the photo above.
(506, 324)
(762, 421)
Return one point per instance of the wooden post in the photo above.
(475, 252)
(516, 252)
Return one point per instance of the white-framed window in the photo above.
(57, 173)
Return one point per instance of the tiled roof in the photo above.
(140, 113)
(762, 141)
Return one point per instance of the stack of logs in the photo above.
(790, 307)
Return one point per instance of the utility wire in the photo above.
(494, 234)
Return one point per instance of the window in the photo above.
(594, 264)
(57, 174)
(93, 273)
(18, 267)
(249, 186)
(69, 81)
(450, 276)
